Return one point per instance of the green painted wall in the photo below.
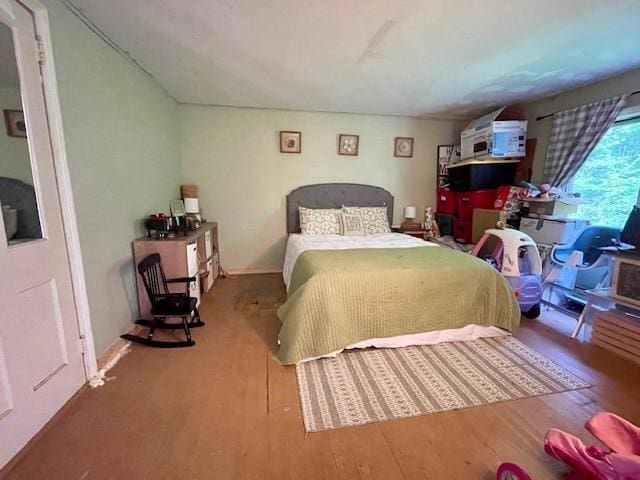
(122, 146)
(233, 155)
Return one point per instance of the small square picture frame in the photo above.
(290, 141)
(348, 144)
(403, 147)
(15, 123)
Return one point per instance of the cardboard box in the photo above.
(552, 230)
(501, 134)
(484, 218)
(556, 207)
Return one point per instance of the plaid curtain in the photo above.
(574, 134)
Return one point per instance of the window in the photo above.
(610, 176)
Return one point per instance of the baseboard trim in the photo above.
(111, 356)
(252, 270)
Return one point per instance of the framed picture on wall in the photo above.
(443, 156)
(15, 124)
(290, 142)
(348, 144)
(403, 147)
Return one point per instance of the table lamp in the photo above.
(409, 216)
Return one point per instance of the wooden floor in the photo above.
(225, 410)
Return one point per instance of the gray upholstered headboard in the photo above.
(334, 195)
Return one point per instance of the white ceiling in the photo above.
(400, 57)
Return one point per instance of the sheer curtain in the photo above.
(574, 134)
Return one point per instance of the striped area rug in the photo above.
(365, 386)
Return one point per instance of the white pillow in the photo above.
(374, 219)
(352, 224)
(320, 221)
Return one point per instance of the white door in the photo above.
(41, 364)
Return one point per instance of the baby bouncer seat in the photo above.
(579, 266)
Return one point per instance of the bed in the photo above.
(383, 290)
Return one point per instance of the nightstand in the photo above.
(413, 233)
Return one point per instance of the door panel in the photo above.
(41, 364)
(44, 333)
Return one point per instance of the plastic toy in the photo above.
(620, 462)
(511, 471)
(544, 191)
(430, 224)
(516, 256)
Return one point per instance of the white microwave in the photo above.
(625, 285)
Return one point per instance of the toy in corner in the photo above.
(516, 256)
(430, 224)
(620, 459)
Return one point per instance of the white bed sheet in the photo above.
(464, 334)
(299, 243)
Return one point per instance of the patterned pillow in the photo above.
(320, 221)
(352, 224)
(374, 219)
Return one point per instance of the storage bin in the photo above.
(481, 175)
(447, 202)
(552, 230)
(463, 230)
(445, 223)
(554, 207)
(469, 201)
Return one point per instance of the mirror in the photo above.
(17, 194)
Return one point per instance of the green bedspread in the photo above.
(340, 297)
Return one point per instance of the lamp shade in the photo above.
(409, 212)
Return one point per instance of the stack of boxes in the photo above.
(490, 147)
(455, 210)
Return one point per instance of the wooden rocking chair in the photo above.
(165, 304)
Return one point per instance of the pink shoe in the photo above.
(591, 463)
(620, 435)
